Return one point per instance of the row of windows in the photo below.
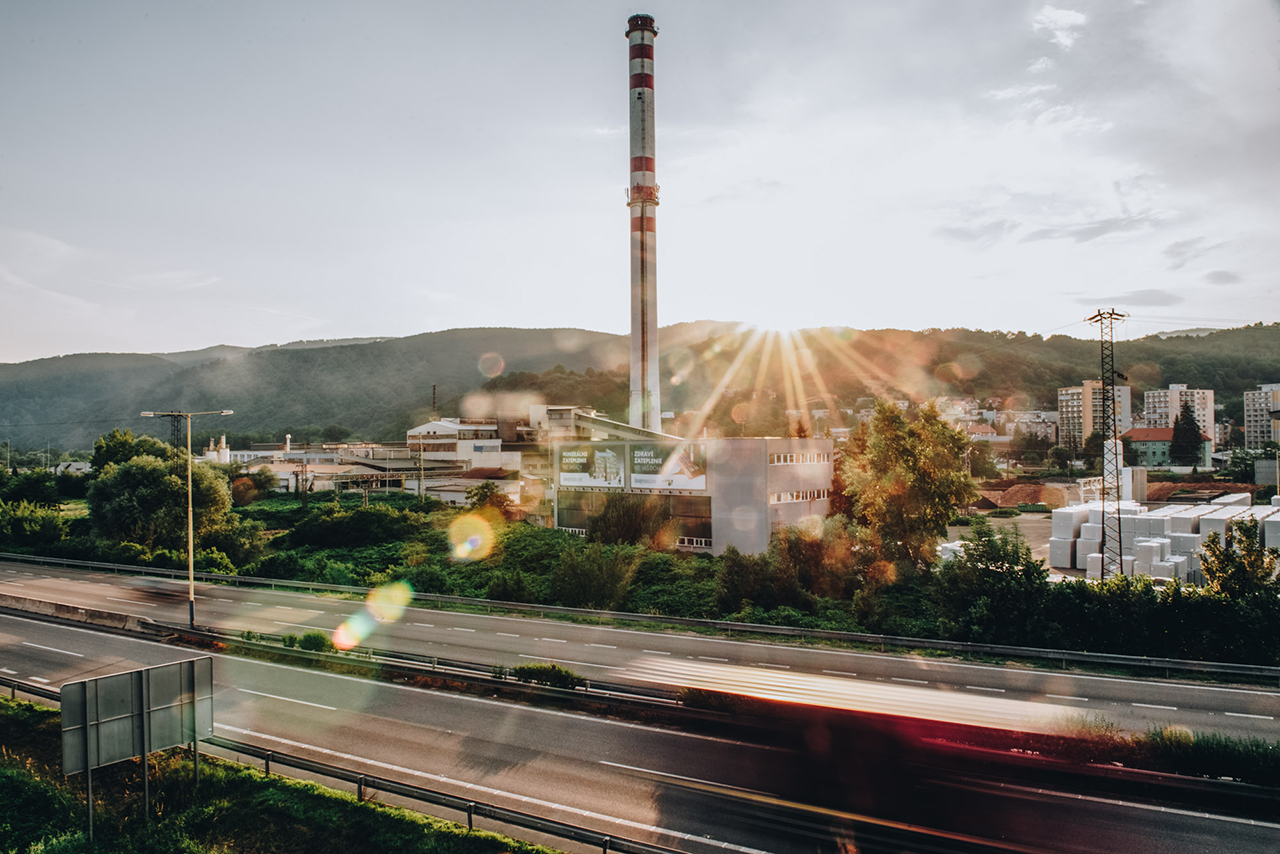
(799, 495)
(694, 542)
(798, 459)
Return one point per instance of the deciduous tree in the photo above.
(1237, 565)
(906, 478)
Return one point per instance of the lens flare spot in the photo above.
(353, 632)
(741, 412)
(471, 536)
(491, 364)
(387, 603)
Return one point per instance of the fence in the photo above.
(1058, 656)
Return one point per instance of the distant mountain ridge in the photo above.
(380, 387)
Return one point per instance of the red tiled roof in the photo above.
(1154, 434)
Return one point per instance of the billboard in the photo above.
(592, 464)
(111, 718)
(668, 466)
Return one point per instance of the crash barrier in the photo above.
(1167, 666)
(368, 783)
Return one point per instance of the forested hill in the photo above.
(380, 388)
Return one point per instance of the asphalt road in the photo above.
(609, 654)
(626, 779)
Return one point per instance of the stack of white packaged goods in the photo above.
(1275, 501)
(1234, 499)
(1216, 521)
(949, 551)
(1187, 520)
(1066, 523)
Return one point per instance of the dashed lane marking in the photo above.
(1153, 706)
(912, 681)
(981, 688)
(288, 699)
(1067, 697)
(53, 649)
(131, 601)
(567, 661)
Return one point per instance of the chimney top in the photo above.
(641, 22)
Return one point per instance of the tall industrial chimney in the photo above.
(642, 198)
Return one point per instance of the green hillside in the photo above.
(380, 388)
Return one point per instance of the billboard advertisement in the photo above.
(669, 466)
(592, 465)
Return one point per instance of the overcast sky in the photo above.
(175, 175)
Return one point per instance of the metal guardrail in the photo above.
(1062, 656)
(472, 808)
(363, 782)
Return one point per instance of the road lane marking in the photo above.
(780, 666)
(7, 670)
(709, 658)
(38, 679)
(131, 601)
(981, 688)
(224, 600)
(1153, 706)
(14, 583)
(655, 652)
(602, 645)
(259, 604)
(912, 681)
(1067, 697)
(53, 649)
(552, 640)
(507, 635)
(460, 629)
(839, 673)
(302, 626)
(635, 825)
(424, 625)
(567, 661)
(667, 775)
(289, 699)
(1255, 717)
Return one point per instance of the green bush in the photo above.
(1004, 513)
(316, 642)
(547, 674)
(290, 641)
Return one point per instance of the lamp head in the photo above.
(148, 415)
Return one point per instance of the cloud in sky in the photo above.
(1142, 298)
(267, 172)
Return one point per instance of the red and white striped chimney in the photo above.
(642, 198)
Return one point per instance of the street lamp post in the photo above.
(191, 552)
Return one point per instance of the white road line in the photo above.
(14, 583)
(635, 825)
(912, 681)
(839, 673)
(7, 670)
(53, 649)
(1152, 706)
(602, 645)
(288, 699)
(284, 607)
(981, 688)
(131, 601)
(1255, 717)
(709, 658)
(1067, 697)
(552, 640)
(38, 679)
(779, 666)
(567, 661)
(655, 652)
(667, 775)
(460, 629)
(507, 635)
(224, 600)
(259, 604)
(424, 625)
(302, 626)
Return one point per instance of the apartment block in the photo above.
(1259, 425)
(1080, 412)
(1162, 406)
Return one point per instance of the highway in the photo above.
(606, 654)
(626, 779)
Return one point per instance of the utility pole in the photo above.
(1112, 461)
